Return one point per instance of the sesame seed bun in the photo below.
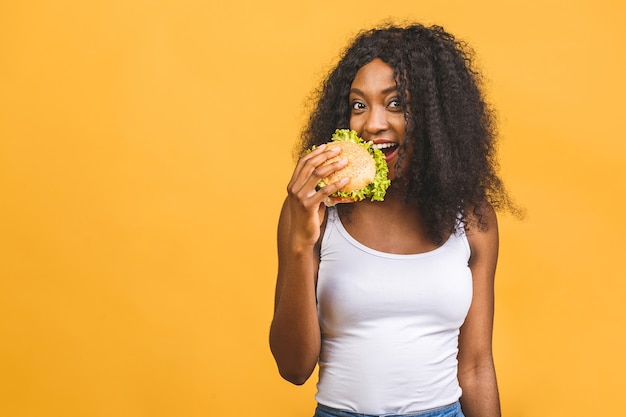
(360, 170)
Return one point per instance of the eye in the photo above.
(395, 105)
(357, 105)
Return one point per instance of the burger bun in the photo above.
(361, 168)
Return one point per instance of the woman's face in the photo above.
(376, 113)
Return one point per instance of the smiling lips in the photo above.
(387, 148)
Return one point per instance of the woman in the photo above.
(395, 299)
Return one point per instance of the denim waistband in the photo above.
(451, 410)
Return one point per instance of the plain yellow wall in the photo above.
(144, 152)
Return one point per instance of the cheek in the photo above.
(356, 124)
(400, 126)
(405, 163)
(353, 126)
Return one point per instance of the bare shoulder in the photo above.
(482, 231)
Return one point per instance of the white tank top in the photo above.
(390, 323)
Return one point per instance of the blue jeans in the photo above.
(452, 410)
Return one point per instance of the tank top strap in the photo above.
(332, 214)
(332, 217)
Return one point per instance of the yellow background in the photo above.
(144, 152)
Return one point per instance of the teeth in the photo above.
(384, 145)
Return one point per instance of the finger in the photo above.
(319, 197)
(329, 189)
(308, 157)
(310, 185)
(309, 168)
(310, 195)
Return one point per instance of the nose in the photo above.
(376, 120)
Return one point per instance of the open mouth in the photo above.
(387, 148)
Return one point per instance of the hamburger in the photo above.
(366, 169)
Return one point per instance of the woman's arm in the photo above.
(295, 333)
(477, 375)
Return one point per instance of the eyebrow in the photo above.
(385, 91)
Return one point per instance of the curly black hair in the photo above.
(450, 127)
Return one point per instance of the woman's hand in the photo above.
(305, 200)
